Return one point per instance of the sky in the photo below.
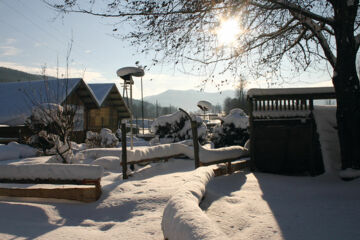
(33, 36)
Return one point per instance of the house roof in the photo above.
(100, 90)
(108, 94)
(18, 98)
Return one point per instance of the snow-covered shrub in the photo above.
(233, 130)
(103, 139)
(52, 125)
(14, 150)
(108, 139)
(176, 127)
(93, 139)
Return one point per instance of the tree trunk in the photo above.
(346, 83)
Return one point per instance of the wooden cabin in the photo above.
(283, 132)
(93, 111)
(112, 108)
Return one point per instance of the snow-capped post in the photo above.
(195, 138)
(123, 152)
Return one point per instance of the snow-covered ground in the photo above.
(130, 209)
(267, 206)
(163, 198)
(243, 206)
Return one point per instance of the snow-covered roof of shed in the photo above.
(101, 90)
(18, 98)
(289, 91)
(108, 94)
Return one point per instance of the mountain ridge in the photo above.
(187, 99)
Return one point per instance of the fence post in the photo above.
(195, 138)
(123, 152)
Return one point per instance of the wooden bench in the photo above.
(60, 180)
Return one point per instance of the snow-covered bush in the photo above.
(103, 139)
(233, 130)
(52, 125)
(14, 150)
(176, 127)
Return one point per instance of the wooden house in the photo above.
(17, 100)
(112, 107)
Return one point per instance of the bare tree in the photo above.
(273, 33)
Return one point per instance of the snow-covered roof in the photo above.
(101, 90)
(289, 91)
(18, 98)
(108, 94)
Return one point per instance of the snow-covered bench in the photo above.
(51, 181)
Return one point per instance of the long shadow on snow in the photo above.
(24, 220)
(312, 207)
(219, 188)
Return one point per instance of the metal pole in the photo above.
(123, 152)
(131, 118)
(142, 105)
(195, 138)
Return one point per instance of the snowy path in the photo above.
(130, 209)
(266, 206)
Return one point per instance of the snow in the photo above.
(182, 217)
(267, 206)
(166, 150)
(325, 118)
(172, 122)
(110, 163)
(279, 114)
(14, 150)
(107, 137)
(349, 173)
(101, 91)
(51, 171)
(288, 91)
(242, 206)
(127, 209)
(237, 117)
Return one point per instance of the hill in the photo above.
(12, 75)
(187, 99)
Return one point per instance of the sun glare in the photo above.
(228, 31)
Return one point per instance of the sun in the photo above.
(228, 31)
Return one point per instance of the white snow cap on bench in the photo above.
(51, 171)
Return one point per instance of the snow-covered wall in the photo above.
(183, 218)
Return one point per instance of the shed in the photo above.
(18, 98)
(112, 107)
(283, 131)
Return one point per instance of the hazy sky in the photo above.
(33, 35)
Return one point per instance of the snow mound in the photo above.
(325, 118)
(94, 153)
(110, 163)
(183, 218)
(51, 171)
(14, 150)
(237, 117)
